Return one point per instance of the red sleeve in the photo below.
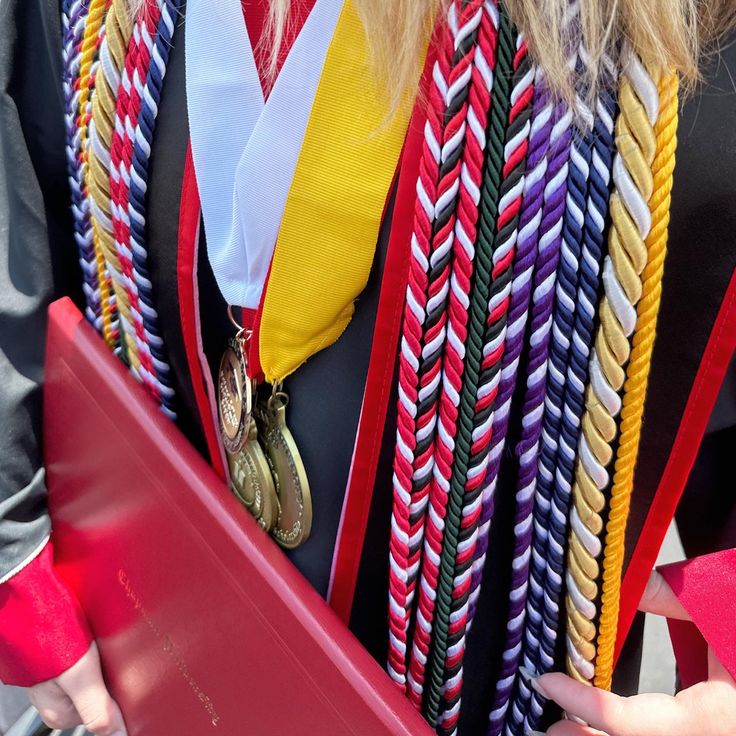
(43, 630)
(706, 588)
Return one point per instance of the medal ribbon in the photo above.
(244, 149)
(327, 173)
(334, 210)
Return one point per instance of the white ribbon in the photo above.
(245, 150)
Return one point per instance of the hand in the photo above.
(706, 709)
(79, 697)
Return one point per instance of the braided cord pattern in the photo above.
(423, 333)
(575, 312)
(112, 59)
(73, 17)
(528, 447)
(588, 268)
(637, 376)
(150, 95)
(455, 162)
(530, 115)
(527, 259)
(122, 129)
(503, 183)
(94, 29)
(630, 221)
(140, 86)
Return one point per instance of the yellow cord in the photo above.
(637, 376)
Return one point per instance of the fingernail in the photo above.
(533, 681)
(526, 673)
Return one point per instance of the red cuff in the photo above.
(43, 630)
(706, 588)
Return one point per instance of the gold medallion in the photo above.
(234, 396)
(292, 486)
(252, 480)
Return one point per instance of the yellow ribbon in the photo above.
(333, 212)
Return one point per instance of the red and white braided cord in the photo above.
(467, 103)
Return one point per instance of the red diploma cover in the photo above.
(203, 624)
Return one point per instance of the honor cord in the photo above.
(420, 369)
(521, 290)
(93, 33)
(630, 222)
(585, 297)
(464, 501)
(418, 381)
(119, 180)
(550, 237)
(465, 19)
(73, 17)
(150, 96)
(508, 141)
(107, 81)
(637, 376)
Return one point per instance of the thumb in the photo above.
(658, 598)
(84, 685)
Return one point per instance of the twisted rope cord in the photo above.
(501, 194)
(94, 27)
(137, 89)
(565, 299)
(581, 339)
(550, 503)
(521, 289)
(73, 17)
(465, 19)
(637, 376)
(528, 225)
(528, 446)
(88, 62)
(118, 29)
(630, 221)
(150, 96)
(119, 179)
(419, 370)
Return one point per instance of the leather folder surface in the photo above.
(204, 626)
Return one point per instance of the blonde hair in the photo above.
(672, 33)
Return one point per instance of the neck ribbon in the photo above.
(292, 188)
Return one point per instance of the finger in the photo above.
(714, 704)
(659, 599)
(653, 715)
(86, 688)
(568, 728)
(53, 705)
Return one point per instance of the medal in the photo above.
(234, 396)
(253, 481)
(292, 486)
(262, 208)
(251, 476)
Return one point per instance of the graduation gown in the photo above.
(39, 262)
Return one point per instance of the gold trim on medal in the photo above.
(294, 522)
(234, 396)
(252, 480)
